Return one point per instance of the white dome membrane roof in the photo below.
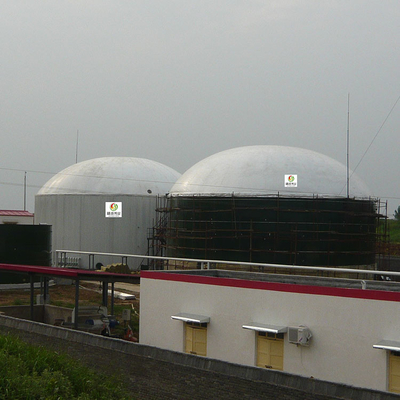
(113, 175)
(261, 170)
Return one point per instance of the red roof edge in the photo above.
(16, 213)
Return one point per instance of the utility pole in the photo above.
(348, 146)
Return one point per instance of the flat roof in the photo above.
(72, 273)
(347, 283)
(338, 287)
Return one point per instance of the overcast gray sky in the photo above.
(176, 81)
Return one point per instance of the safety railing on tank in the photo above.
(63, 260)
(67, 261)
(176, 263)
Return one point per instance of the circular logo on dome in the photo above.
(114, 207)
(290, 180)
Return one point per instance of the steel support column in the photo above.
(32, 298)
(105, 293)
(76, 303)
(112, 299)
(45, 290)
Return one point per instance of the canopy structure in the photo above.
(75, 274)
(387, 345)
(199, 319)
(255, 326)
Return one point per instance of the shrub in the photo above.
(30, 372)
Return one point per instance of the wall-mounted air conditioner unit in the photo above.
(299, 335)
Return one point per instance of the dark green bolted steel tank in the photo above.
(294, 231)
(24, 244)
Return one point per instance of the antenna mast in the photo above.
(76, 149)
(25, 191)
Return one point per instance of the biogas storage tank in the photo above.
(271, 204)
(104, 205)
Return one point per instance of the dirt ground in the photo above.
(89, 294)
(64, 296)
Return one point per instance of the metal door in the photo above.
(394, 372)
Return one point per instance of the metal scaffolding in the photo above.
(280, 230)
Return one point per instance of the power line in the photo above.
(27, 170)
(243, 188)
(20, 184)
(372, 141)
(377, 133)
(215, 186)
(260, 190)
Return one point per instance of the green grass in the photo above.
(18, 302)
(60, 303)
(394, 230)
(31, 372)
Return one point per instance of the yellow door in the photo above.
(269, 352)
(394, 372)
(196, 340)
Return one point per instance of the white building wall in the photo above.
(344, 328)
(16, 219)
(79, 223)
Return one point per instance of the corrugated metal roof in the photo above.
(16, 213)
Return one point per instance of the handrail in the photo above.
(244, 263)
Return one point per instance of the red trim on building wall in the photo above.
(66, 272)
(273, 286)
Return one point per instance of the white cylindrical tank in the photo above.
(74, 203)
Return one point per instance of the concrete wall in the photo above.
(188, 374)
(79, 223)
(24, 312)
(344, 328)
(41, 313)
(53, 313)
